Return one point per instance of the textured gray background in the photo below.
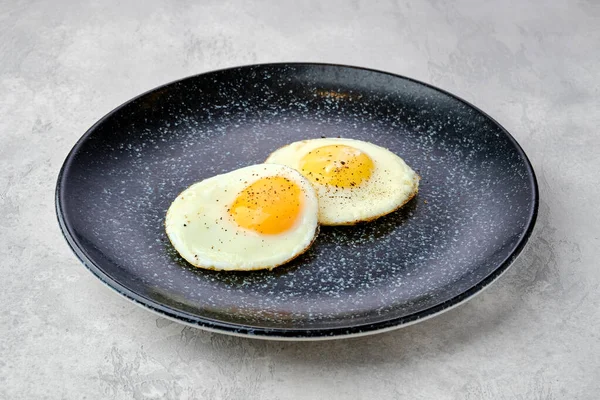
(534, 66)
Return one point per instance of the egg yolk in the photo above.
(270, 205)
(337, 165)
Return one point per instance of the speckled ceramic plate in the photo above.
(475, 210)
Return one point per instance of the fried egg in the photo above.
(257, 217)
(355, 180)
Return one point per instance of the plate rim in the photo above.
(277, 333)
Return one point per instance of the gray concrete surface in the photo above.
(534, 66)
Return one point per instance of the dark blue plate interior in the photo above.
(475, 209)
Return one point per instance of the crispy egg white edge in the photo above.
(308, 219)
(293, 152)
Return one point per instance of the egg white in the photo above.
(391, 185)
(204, 233)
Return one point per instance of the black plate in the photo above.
(475, 210)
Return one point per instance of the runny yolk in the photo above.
(270, 205)
(337, 165)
